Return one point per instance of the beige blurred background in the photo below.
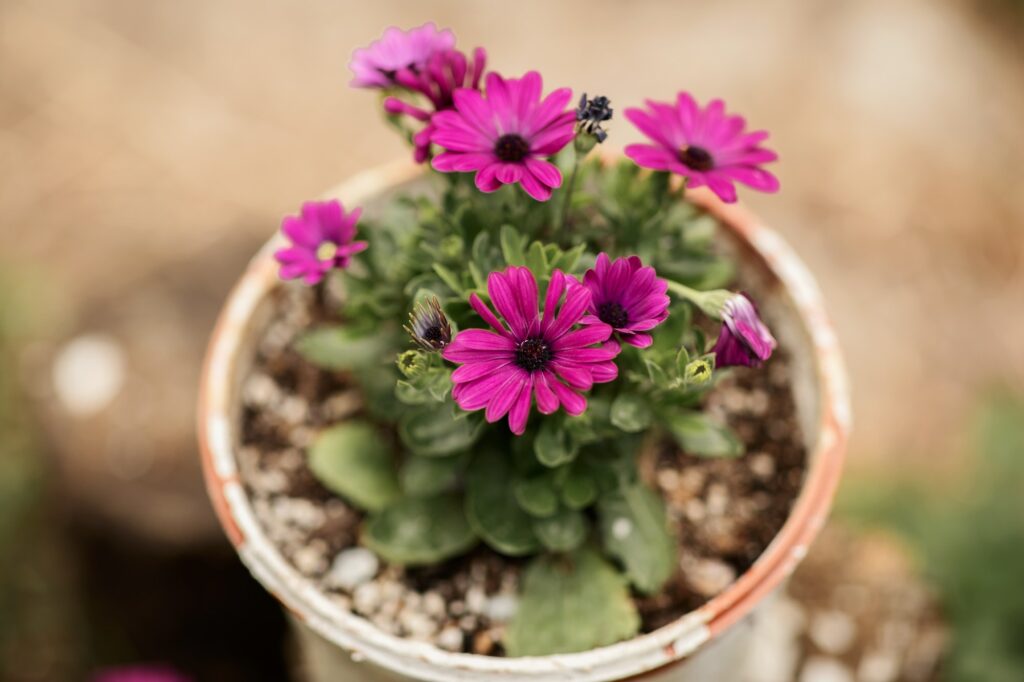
(136, 134)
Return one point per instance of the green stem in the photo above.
(710, 302)
(563, 216)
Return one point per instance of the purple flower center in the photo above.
(614, 314)
(532, 354)
(511, 148)
(697, 158)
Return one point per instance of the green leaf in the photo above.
(537, 260)
(698, 435)
(537, 495)
(436, 432)
(571, 604)
(578, 490)
(682, 360)
(420, 530)
(635, 531)
(631, 413)
(352, 460)
(552, 445)
(430, 475)
(513, 245)
(449, 278)
(340, 348)
(492, 509)
(563, 532)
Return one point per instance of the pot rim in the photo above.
(422, 660)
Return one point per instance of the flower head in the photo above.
(322, 239)
(627, 296)
(706, 145)
(444, 72)
(534, 357)
(397, 51)
(744, 339)
(591, 113)
(505, 134)
(428, 326)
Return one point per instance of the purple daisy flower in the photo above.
(540, 357)
(444, 73)
(706, 145)
(505, 134)
(627, 296)
(744, 339)
(321, 241)
(378, 65)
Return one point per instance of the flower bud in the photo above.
(744, 339)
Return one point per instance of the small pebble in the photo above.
(762, 465)
(500, 608)
(352, 567)
(621, 528)
(310, 559)
(832, 631)
(717, 500)
(709, 577)
(367, 598)
(877, 666)
(433, 604)
(695, 511)
(476, 599)
(450, 638)
(483, 643)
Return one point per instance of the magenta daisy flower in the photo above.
(626, 296)
(379, 64)
(444, 73)
(506, 134)
(706, 145)
(534, 357)
(322, 239)
(744, 339)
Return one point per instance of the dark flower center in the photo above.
(613, 314)
(697, 158)
(532, 354)
(511, 148)
(433, 335)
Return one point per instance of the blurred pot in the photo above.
(709, 643)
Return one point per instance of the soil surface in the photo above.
(724, 511)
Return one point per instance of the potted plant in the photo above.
(523, 418)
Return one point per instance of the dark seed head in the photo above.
(532, 354)
(590, 113)
(697, 158)
(428, 326)
(613, 314)
(511, 148)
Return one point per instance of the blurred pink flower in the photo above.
(322, 239)
(744, 338)
(707, 146)
(506, 134)
(540, 357)
(444, 73)
(379, 64)
(627, 296)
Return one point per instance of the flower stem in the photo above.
(563, 215)
(710, 302)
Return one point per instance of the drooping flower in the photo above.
(445, 72)
(628, 296)
(428, 325)
(591, 113)
(707, 146)
(546, 357)
(744, 338)
(379, 64)
(506, 135)
(321, 239)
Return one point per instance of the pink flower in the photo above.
(705, 145)
(534, 357)
(321, 241)
(627, 296)
(744, 339)
(505, 134)
(378, 65)
(444, 73)
(140, 674)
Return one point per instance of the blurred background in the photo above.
(147, 148)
